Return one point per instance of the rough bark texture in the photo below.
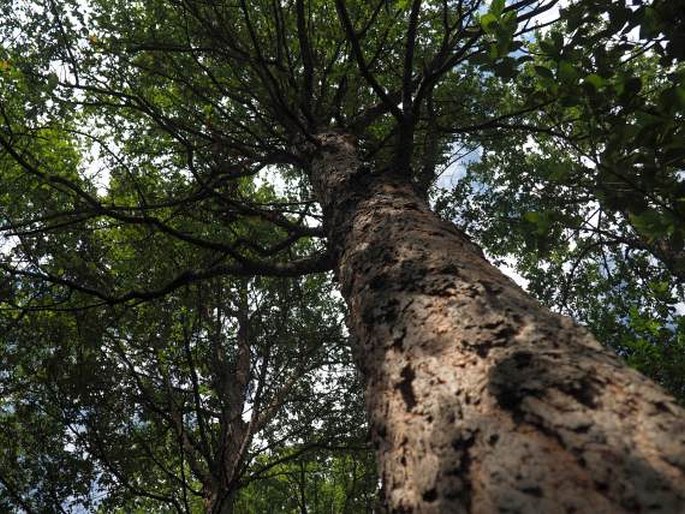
(220, 502)
(481, 400)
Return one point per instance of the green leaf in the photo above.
(496, 7)
(567, 72)
(543, 72)
(52, 80)
(493, 52)
(557, 41)
(595, 81)
(672, 99)
(480, 58)
(652, 224)
(548, 48)
(489, 22)
(541, 221)
(506, 68)
(509, 23)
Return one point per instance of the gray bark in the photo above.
(480, 399)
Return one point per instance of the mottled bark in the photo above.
(480, 399)
(220, 501)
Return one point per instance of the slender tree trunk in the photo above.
(220, 501)
(481, 400)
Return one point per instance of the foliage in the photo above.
(328, 482)
(137, 403)
(582, 169)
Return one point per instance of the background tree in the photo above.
(134, 405)
(174, 404)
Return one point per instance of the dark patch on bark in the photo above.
(377, 282)
(368, 317)
(522, 359)
(582, 391)
(450, 269)
(381, 430)
(631, 504)
(524, 374)
(500, 336)
(505, 332)
(509, 399)
(508, 382)
(483, 349)
(398, 343)
(462, 447)
(602, 487)
(582, 429)
(663, 407)
(462, 444)
(491, 288)
(405, 387)
(384, 311)
(533, 491)
(411, 273)
(430, 496)
(390, 311)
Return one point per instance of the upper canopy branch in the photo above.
(353, 39)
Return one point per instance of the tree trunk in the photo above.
(481, 400)
(220, 501)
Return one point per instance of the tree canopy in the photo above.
(587, 189)
(166, 295)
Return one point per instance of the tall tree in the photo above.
(479, 398)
